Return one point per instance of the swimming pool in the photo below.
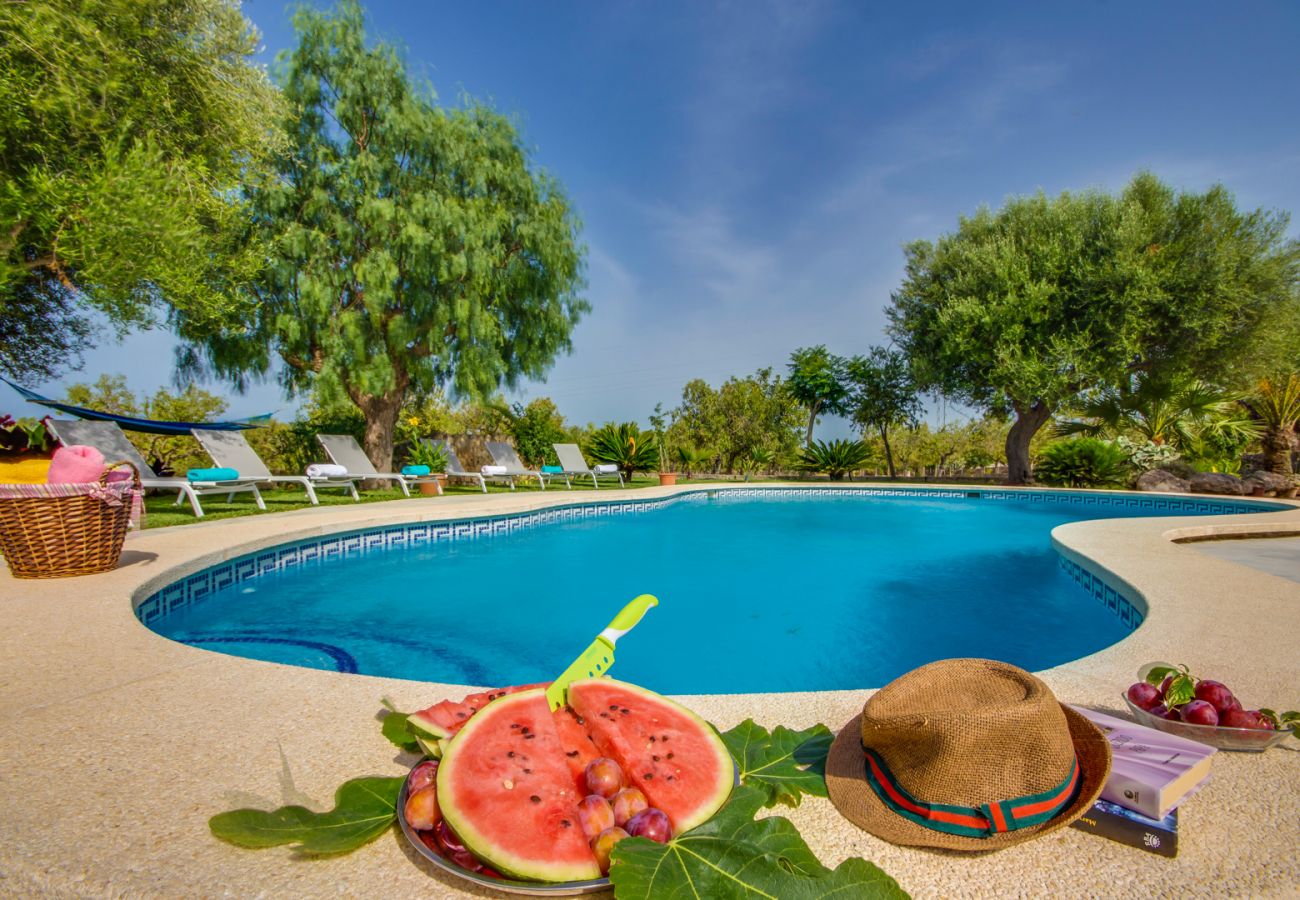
(761, 590)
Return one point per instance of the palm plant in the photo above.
(626, 446)
(1275, 405)
(691, 458)
(836, 458)
(1082, 462)
(1183, 413)
(760, 458)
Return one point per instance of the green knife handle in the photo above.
(627, 617)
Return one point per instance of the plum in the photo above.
(1164, 685)
(422, 808)
(1160, 711)
(603, 843)
(1246, 718)
(651, 823)
(604, 777)
(1216, 694)
(1200, 712)
(1144, 696)
(422, 776)
(595, 814)
(453, 849)
(627, 803)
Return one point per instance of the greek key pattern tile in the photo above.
(1129, 612)
(200, 585)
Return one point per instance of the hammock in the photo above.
(130, 423)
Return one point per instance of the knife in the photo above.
(599, 656)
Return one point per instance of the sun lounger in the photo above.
(344, 450)
(505, 457)
(109, 440)
(575, 465)
(231, 448)
(454, 468)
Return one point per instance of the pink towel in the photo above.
(76, 464)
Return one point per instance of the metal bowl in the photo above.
(1250, 740)
(505, 885)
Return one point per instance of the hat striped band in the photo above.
(971, 821)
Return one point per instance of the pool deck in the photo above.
(119, 744)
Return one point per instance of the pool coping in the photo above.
(76, 660)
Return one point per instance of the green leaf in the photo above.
(785, 764)
(1181, 690)
(399, 733)
(1158, 673)
(735, 855)
(364, 808)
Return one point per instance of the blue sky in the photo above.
(747, 172)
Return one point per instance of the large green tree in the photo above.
(817, 379)
(884, 395)
(1025, 309)
(126, 127)
(411, 245)
(757, 412)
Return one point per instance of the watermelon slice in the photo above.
(505, 788)
(511, 777)
(674, 757)
(435, 725)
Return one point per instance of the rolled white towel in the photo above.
(326, 470)
(495, 470)
(605, 469)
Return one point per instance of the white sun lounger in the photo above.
(575, 465)
(504, 455)
(231, 448)
(109, 440)
(344, 450)
(454, 468)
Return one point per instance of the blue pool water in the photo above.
(757, 593)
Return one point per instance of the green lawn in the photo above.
(161, 509)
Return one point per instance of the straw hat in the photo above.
(966, 754)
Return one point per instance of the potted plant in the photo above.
(427, 453)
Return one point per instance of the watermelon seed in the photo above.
(572, 753)
(508, 785)
(670, 756)
(625, 710)
(566, 823)
(670, 778)
(460, 715)
(528, 771)
(655, 758)
(653, 739)
(535, 798)
(648, 776)
(514, 724)
(510, 753)
(529, 737)
(613, 706)
(581, 720)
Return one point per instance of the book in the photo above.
(1110, 820)
(1150, 771)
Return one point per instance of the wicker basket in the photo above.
(52, 537)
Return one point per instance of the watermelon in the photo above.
(511, 777)
(674, 757)
(505, 788)
(436, 724)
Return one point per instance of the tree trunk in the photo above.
(381, 412)
(812, 420)
(1028, 421)
(889, 454)
(1277, 449)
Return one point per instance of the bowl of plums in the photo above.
(1171, 699)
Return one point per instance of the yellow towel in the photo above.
(23, 470)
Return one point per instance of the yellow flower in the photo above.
(413, 421)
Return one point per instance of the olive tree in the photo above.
(1022, 310)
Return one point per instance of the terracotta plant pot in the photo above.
(667, 478)
(431, 488)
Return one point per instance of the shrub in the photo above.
(835, 458)
(1146, 455)
(427, 453)
(1083, 462)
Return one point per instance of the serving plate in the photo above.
(1251, 740)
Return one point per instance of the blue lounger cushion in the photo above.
(212, 474)
(416, 471)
